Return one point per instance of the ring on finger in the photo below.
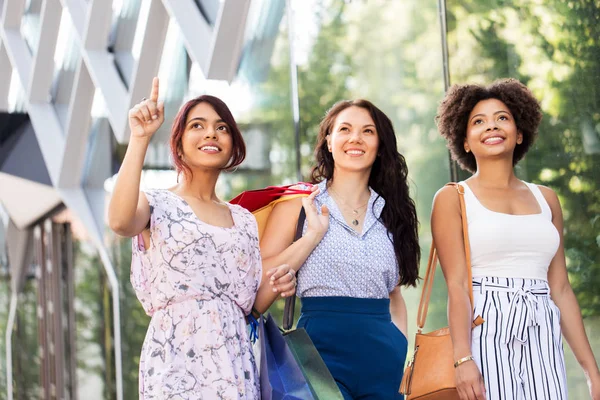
(291, 273)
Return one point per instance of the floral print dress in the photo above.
(197, 282)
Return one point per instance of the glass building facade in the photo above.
(298, 58)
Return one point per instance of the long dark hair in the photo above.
(178, 129)
(388, 178)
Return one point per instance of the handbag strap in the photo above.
(433, 261)
(290, 302)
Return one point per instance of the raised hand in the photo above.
(317, 224)
(147, 116)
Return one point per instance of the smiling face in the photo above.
(491, 131)
(207, 140)
(353, 140)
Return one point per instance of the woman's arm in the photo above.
(446, 227)
(561, 292)
(128, 211)
(277, 248)
(398, 310)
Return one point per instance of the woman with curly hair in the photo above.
(350, 274)
(520, 282)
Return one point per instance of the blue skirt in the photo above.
(363, 349)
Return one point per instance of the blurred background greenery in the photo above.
(389, 52)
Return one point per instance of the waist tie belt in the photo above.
(524, 309)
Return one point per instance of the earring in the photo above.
(468, 150)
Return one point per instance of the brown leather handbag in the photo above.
(430, 373)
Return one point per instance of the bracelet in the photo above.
(463, 360)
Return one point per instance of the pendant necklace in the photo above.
(355, 220)
(355, 211)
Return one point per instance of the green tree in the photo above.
(26, 360)
(134, 321)
(92, 320)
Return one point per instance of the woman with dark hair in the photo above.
(196, 264)
(520, 282)
(356, 254)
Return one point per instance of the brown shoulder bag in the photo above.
(430, 373)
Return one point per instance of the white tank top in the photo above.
(511, 246)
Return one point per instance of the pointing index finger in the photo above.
(154, 93)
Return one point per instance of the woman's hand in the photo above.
(317, 223)
(147, 116)
(283, 280)
(469, 382)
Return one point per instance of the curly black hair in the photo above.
(453, 114)
(389, 178)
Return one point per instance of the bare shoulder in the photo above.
(446, 198)
(553, 202)
(550, 196)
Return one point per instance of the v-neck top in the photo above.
(347, 263)
(511, 246)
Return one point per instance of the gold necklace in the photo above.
(355, 211)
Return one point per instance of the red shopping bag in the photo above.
(260, 202)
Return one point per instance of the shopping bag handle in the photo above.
(277, 191)
(290, 302)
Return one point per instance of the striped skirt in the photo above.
(519, 348)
